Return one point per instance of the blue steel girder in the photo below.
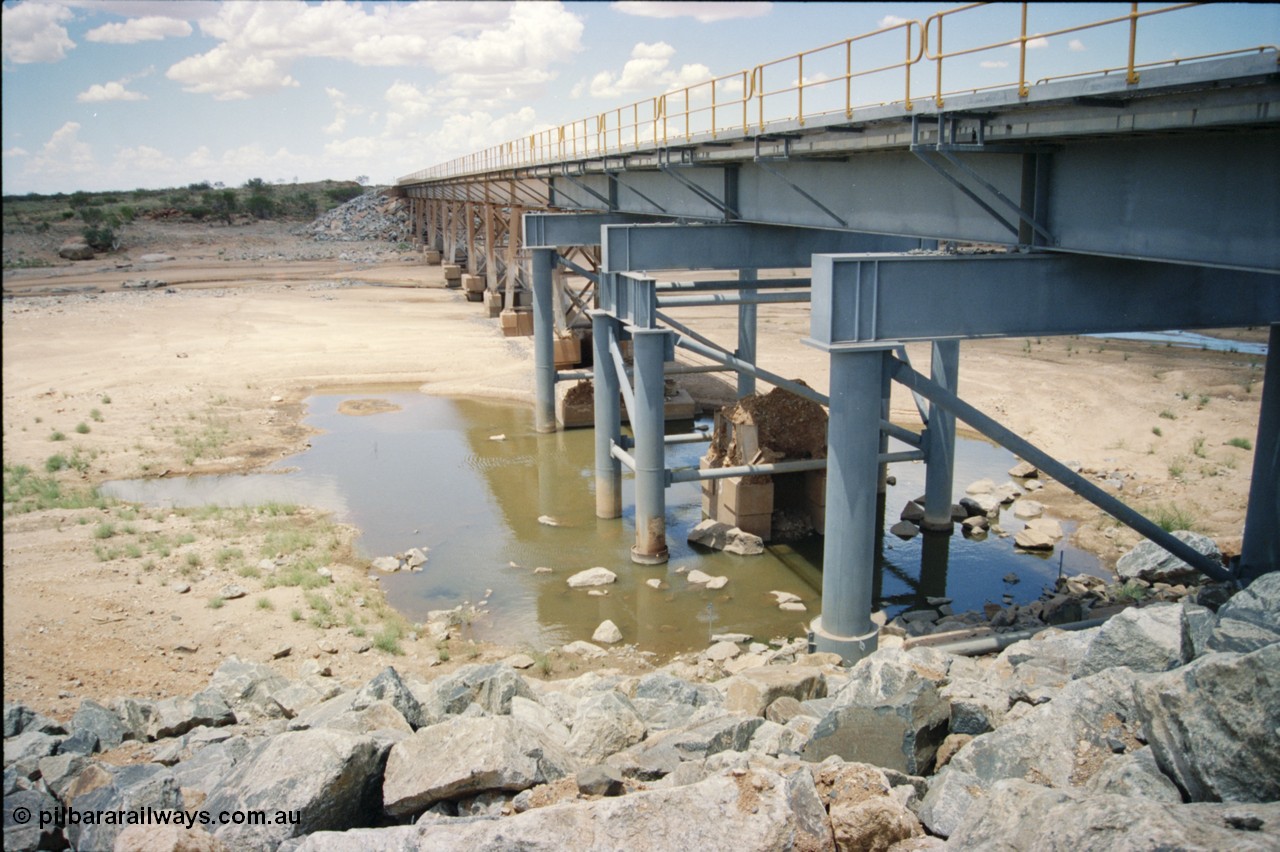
(871, 300)
(1145, 198)
(695, 192)
(629, 248)
(548, 230)
(1212, 198)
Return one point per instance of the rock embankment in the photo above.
(1155, 729)
(371, 216)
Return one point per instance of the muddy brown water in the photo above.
(431, 474)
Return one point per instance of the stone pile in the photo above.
(1153, 730)
(371, 216)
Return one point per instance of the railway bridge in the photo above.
(1141, 196)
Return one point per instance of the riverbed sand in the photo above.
(208, 372)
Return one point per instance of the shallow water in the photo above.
(430, 475)
(1189, 340)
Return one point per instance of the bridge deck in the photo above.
(1139, 198)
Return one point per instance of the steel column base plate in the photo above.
(659, 558)
(947, 526)
(850, 648)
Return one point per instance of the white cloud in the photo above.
(703, 13)
(32, 32)
(16, 152)
(646, 71)
(64, 154)
(514, 42)
(890, 21)
(993, 63)
(407, 105)
(228, 75)
(1076, 46)
(1033, 43)
(113, 91)
(150, 28)
(820, 77)
(342, 111)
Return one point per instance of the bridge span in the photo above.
(1140, 197)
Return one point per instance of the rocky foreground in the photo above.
(1154, 730)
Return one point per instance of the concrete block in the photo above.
(452, 272)
(761, 524)
(473, 283)
(743, 498)
(815, 487)
(509, 323)
(494, 301)
(710, 493)
(571, 416)
(432, 257)
(525, 320)
(568, 351)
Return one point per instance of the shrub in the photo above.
(1171, 518)
(101, 238)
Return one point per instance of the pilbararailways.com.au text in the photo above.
(62, 817)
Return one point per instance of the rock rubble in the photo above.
(371, 216)
(1136, 734)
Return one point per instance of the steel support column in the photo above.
(544, 368)
(746, 333)
(608, 417)
(1261, 550)
(882, 475)
(940, 441)
(647, 424)
(849, 549)
(468, 210)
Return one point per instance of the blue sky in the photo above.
(125, 94)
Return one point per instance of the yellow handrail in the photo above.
(924, 42)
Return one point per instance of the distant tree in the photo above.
(304, 204)
(222, 204)
(202, 186)
(342, 194)
(362, 180)
(219, 185)
(257, 185)
(260, 206)
(79, 199)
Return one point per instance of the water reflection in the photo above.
(471, 480)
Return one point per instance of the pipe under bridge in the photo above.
(1141, 197)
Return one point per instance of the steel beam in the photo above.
(548, 230)
(871, 300)
(629, 248)
(1261, 550)
(608, 418)
(1207, 198)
